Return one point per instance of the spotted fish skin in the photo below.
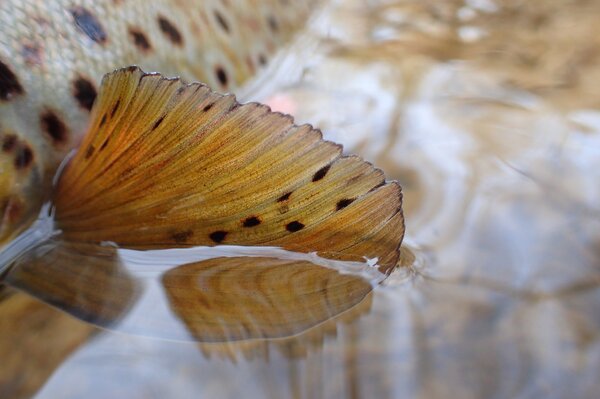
(53, 55)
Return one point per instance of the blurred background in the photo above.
(487, 112)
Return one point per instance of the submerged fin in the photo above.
(167, 165)
(85, 280)
(229, 297)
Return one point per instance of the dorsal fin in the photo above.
(167, 164)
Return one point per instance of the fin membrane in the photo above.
(168, 165)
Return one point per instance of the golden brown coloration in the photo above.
(24, 319)
(242, 297)
(225, 298)
(100, 293)
(54, 53)
(181, 165)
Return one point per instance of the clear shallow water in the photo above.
(204, 294)
(474, 107)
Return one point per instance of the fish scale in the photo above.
(58, 52)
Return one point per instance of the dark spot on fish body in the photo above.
(9, 84)
(170, 31)
(251, 221)
(103, 146)
(262, 59)
(140, 40)
(273, 23)
(54, 127)
(23, 157)
(222, 21)
(88, 24)
(221, 75)
(115, 108)
(207, 107)
(9, 142)
(321, 173)
(344, 203)
(183, 236)
(84, 92)
(218, 236)
(89, 152)
(284, 197)
(158, 122)
(294, 226)
(102, 121)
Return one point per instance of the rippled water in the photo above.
(486, 113)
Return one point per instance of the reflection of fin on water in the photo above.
(240, 298)
(213, 300)
(293, 347)
(169, 165)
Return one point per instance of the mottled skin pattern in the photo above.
(53, 55)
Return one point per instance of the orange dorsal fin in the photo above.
(167, 164)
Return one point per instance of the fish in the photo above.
(163, 164)
(174, 166)
(54, 54)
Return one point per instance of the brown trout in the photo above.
(167, 165)
(54, 53)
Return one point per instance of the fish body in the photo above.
(53, 55)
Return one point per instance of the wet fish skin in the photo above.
(54, 53)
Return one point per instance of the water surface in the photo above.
(485, 113)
